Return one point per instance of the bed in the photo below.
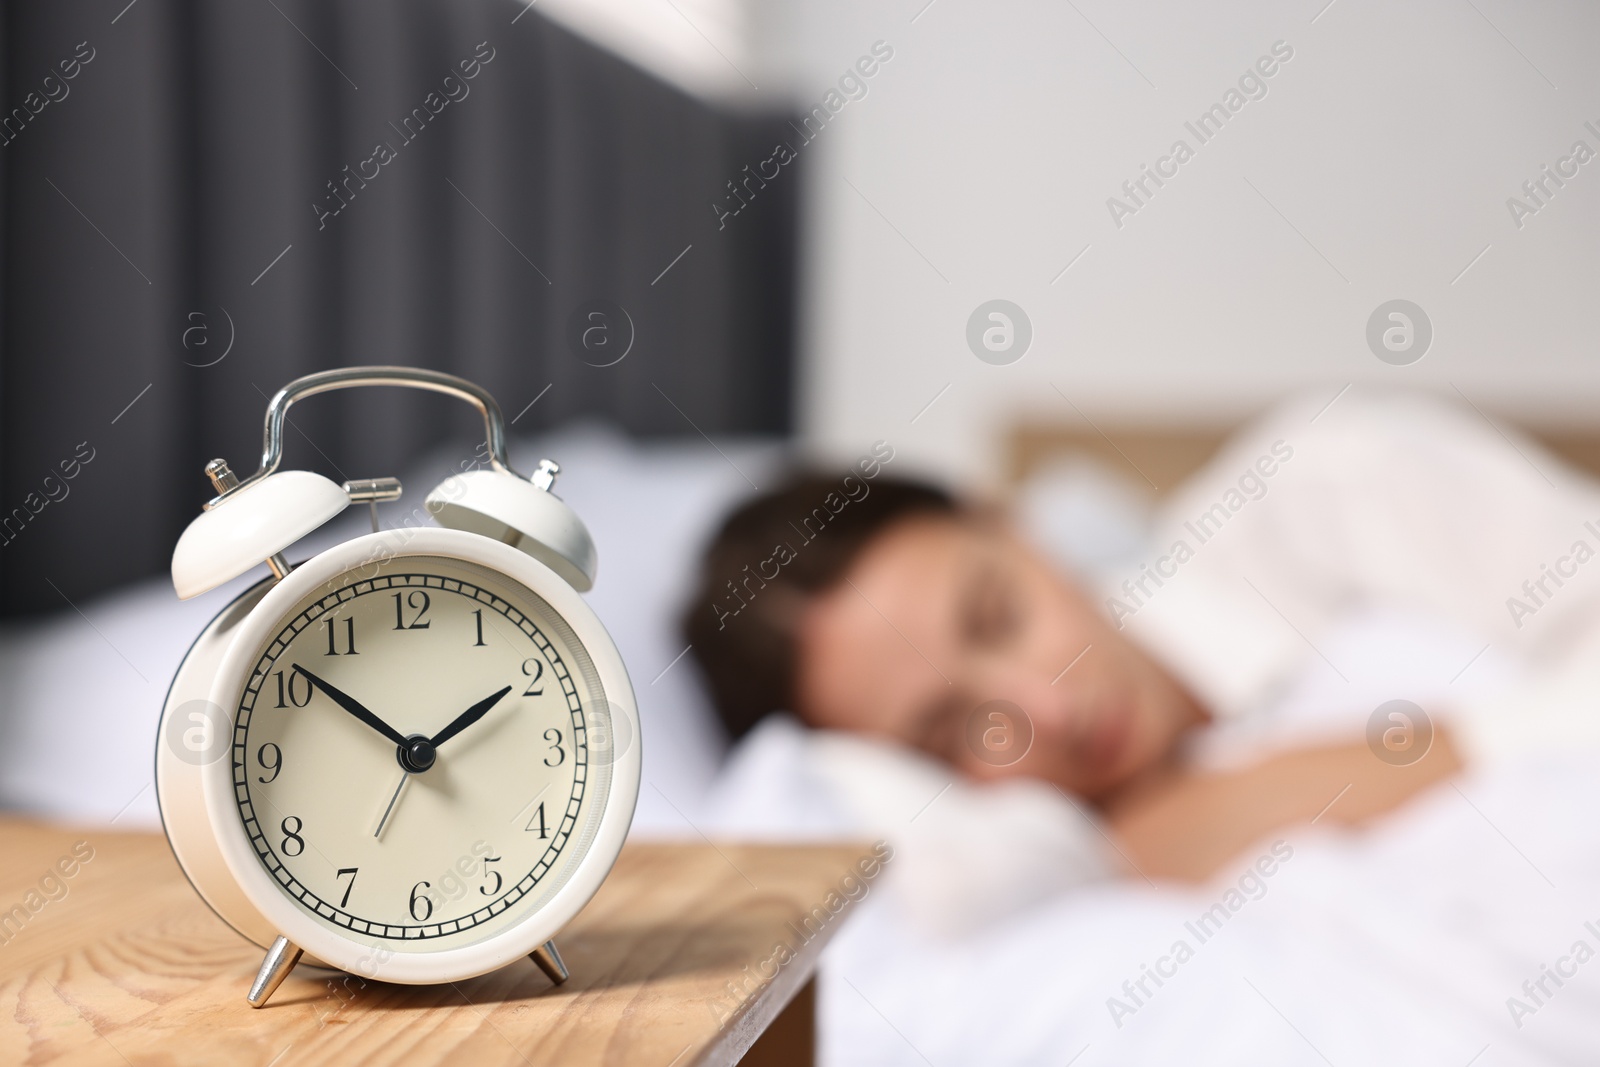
(1009, 931)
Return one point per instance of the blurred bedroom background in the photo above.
(1051, 252)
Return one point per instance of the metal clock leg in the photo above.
(549, 961)
(281, 958)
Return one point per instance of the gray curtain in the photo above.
(190, 176)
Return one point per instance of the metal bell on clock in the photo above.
(244, 526)
(524, 514)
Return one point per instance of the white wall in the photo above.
(991, 142)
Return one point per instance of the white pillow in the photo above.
(965, 855)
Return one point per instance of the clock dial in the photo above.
(422, 753)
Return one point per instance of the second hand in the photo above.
(395, 799)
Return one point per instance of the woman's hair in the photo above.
(770, 556)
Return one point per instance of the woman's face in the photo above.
(954, 636)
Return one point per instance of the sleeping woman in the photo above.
(879, 605)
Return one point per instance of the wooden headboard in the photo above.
(1165, 455)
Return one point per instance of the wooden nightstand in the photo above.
(676, 962)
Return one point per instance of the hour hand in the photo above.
(467, 718)
(353, 706)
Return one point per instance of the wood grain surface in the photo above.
(119, 962)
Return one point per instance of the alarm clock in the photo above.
(413, 756)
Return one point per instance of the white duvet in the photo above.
(1402, 946)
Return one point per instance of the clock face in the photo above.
(422, 753)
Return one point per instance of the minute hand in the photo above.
(467, 718)
(353, 706)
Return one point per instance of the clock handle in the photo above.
(549, 961)
(494, 423)
(281, 958)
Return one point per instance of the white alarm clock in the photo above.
(414, 756)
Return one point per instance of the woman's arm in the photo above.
(1186, 826)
